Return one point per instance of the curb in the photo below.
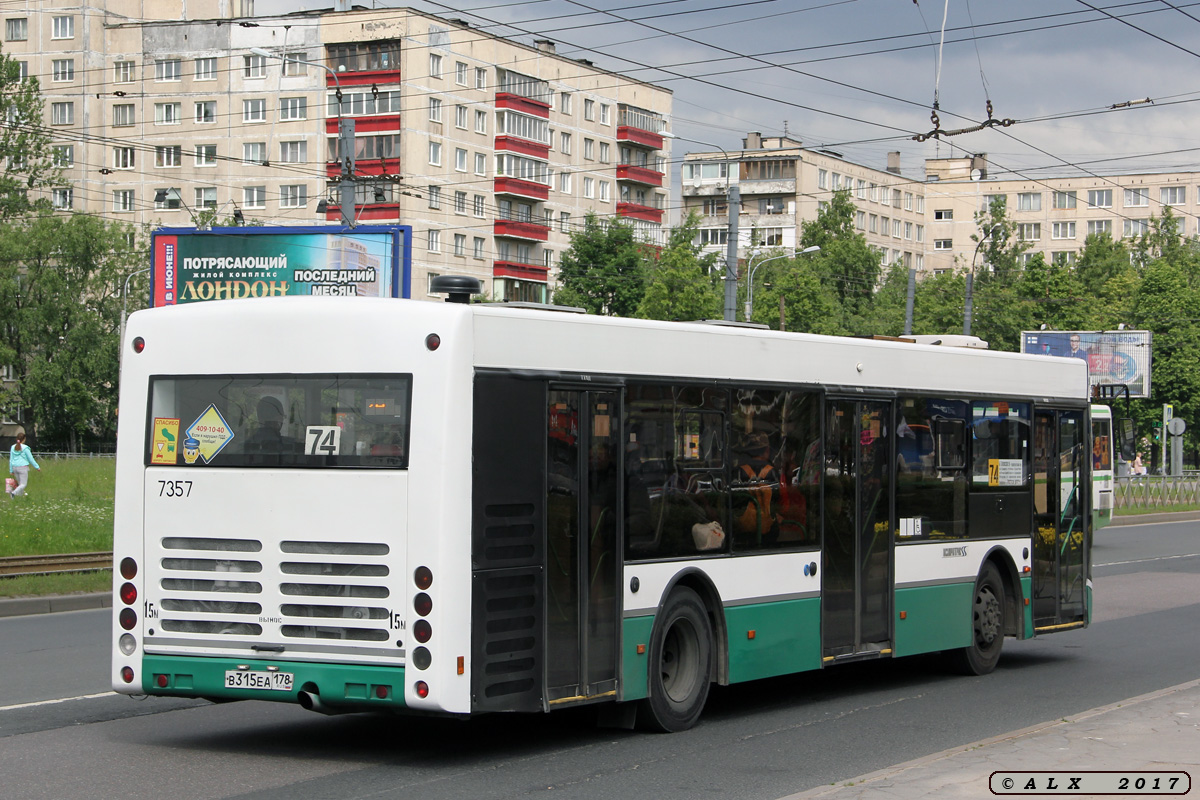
(857, 784)
(1150, 519)
(22, 606)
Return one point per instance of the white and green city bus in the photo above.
(359, 504)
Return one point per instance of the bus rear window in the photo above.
(295, 421)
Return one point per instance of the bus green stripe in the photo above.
(344, 686)
(926, 620)
(634, 667)
(786, 638)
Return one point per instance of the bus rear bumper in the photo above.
(327, 688)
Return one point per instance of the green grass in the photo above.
(68, 509)
(71, 583)
(1130, 511)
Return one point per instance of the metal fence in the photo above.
(39, 454)
(1157, 491)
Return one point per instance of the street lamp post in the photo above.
(125, 313)
(968, 307)
(733, 200)
(750, 274)
(345, 137)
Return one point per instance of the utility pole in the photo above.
(346, 183)
(733, 196)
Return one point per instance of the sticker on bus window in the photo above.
(164, 448)
(1006, 472)
(322, 440)
(211, 433)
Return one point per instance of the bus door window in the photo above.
(1001, 502)
(931, 484)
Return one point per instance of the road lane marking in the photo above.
(1145, 560)
(59, 700)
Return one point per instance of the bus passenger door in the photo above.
(856, 590)
(581, 552)
(1061, 538)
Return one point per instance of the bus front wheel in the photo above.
(987, 625)
(681, 656)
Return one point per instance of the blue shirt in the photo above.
(24, 458)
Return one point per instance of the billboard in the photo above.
(1120, 357)
(191, 265)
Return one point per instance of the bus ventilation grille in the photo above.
(507, 615)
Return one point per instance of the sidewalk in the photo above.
(20, 606)
(1157, 732)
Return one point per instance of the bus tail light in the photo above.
(128, 594)
(422, 688)
(433, 341)
(127, 674)
(139, 344)
(127, 618)
(423, 578)
(128, 568)
(127, 644)
(160, 681)
(423, 604)
(422, 630)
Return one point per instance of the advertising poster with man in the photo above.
(193, 265)
(1113, 357)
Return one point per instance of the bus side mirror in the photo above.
(1127, 438)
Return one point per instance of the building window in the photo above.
(206, 197)
(460, 159)
(564, 182)
(1029, 231)
(64, 70)
(122, 115)
(123, 72)
(481, 121)
(435, 154)
(481, 78)
(168, 113)
(604, 114)
(63, 28)
(435, 110)
(908, 201)
(293, 108)
(206, 155)
(170, 155)
(206, 111)
(564, 143)
(589, 149)
(254, 110)
(908, 230)
(1173, 195)
(896, 228)
(1135, 227)
(460, 202)
(254, 152)
(62, 199)
(435, 65)
(171, 198)
(123, 158)
(861, 189)
(460, 73)
(254, 66)
(62, 113)
(872, 223)
(604, 195)
(16, 30)
(605, 153)
(1098, 226)
(478, 205)
(364, 56)
(711, 236)
(822, 179)
(254, 196)
(1029, 201)
(589, 187)
(1100, 198)
(460, 117)
(564, 102)
(1064, 200)
(293, 152)
(434, 195)
(478, 249)
(943, 244)
(481, 164)
(206, 68)
(63, 155)
(1135, 198)
(943, 213)
(1062, 230)
(989, 199)
(167, 69)
(1063, 257)
(460, 244)
(589, 110)
(896, 193)
(434, 241)
(293, 196)
(123, 200)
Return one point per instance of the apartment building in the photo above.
(783, 184)
(491, 149)
(1054, 216)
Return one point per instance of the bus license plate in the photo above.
(243, 679)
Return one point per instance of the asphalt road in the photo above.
(762, 740)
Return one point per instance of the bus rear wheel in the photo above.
(681, 655)
(987, 625)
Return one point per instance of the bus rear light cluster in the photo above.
(128, 594)
(422, 630)
(422, 689)
(127, 674)
(128, 568)
(139, 344)
(127, 618)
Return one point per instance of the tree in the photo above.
(603, 270)
(60, 310)
(25, 147)
(682, 283)
(997, 244)
(846, 263)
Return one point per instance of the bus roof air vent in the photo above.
(459, 288)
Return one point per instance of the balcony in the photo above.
(519, 270)
(635, 211)
(643, 175)
(528, 231)
(630, 135)
(525, 147)
(522, 188)
(525, 105)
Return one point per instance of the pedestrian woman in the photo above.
(20, 459)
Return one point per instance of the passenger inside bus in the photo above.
(267, 437)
